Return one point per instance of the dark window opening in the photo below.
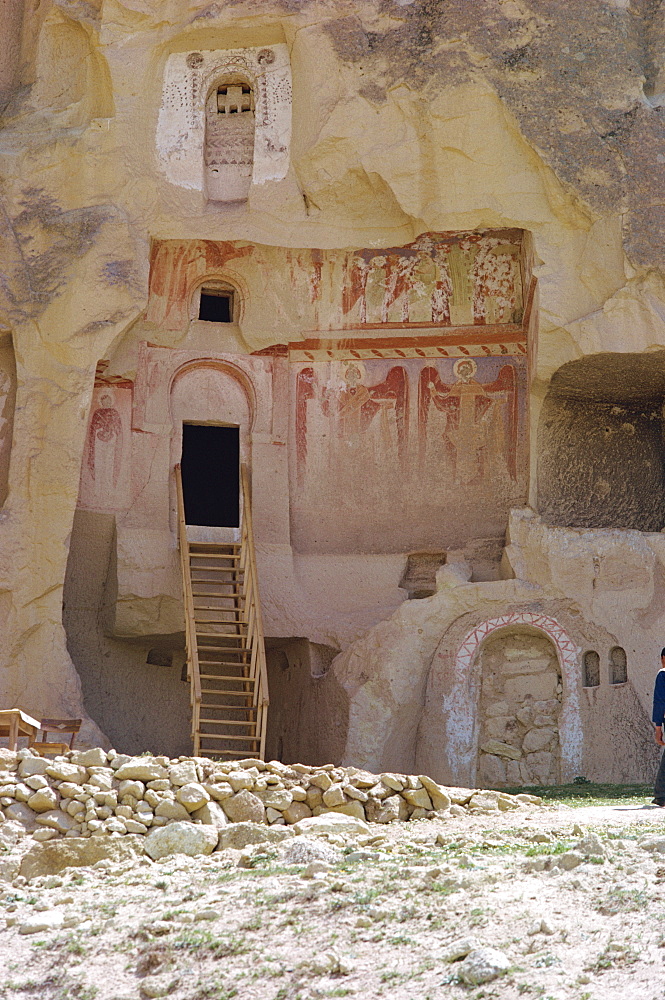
(210, 467)
(591, 669)
(216, 307)
(618, 665)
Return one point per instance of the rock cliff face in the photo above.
(388, 134)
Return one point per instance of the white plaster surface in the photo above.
(188, 78)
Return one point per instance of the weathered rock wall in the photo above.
(407, 117)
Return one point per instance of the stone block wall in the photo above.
(88, 793)
(519, 707)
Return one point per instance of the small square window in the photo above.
(216, 307)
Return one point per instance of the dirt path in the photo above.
(576, 916)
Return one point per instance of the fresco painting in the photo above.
(106, 468)
(440, 280)
(443, 437)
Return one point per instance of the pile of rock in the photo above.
(91, 793)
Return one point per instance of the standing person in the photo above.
(658, 718)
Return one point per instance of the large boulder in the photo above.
(181, 838)
(79, 852)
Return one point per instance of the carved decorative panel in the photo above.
(191, 94)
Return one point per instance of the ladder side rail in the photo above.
(190, 625)
(261, 686)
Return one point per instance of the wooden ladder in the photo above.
(226, 660)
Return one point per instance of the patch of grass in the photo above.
(559, 847)
(614, 955)
(622, 901)
(587, 794)
(206, 941)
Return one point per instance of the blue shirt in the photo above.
(659, 699)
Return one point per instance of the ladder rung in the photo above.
(221, 611)
(215, 545)
(210, 607)
(212, 583)
(230, 694)
(220, 635)
(206, 593)
(216, 736)
(227, 677)
(212, 555)
(223, 649)
(227, 722)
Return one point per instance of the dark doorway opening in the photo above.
(210, 467)
(215, 307)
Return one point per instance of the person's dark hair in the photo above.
(662, 652)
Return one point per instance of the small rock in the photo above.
(38, 922)
(141, 768)
(192, 796)
(183, 773)
(278, 798)
(208, 913)
(23, 814)
(32, 765)
(43, 800)
(315, 868)
(591, 846)
(211, 814)
(437, 793)
(483, 965)
(96, 757)
(244, 806)
(219, 791)
(303, 850)
(321, 780)
(654, 845)
(355, 809)
(158, 986)
(171, 810)
(460, 948)
(240, 780)
(240, 835)
(334, 796)
(394, 781)
(181, 838)
(131, 787)
(569, 860)
(44, 833)
(417, 797)
(297, 811)
(61, 770)
(500, 749)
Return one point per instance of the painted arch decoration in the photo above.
(460, 705)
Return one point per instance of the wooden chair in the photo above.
(47, 726)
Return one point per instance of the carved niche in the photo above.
(225, 120)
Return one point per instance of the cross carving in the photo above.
(233, 100)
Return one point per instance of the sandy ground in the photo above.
(380, 919)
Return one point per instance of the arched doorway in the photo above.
(462, 703)
(212, 412)
(519, 708)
